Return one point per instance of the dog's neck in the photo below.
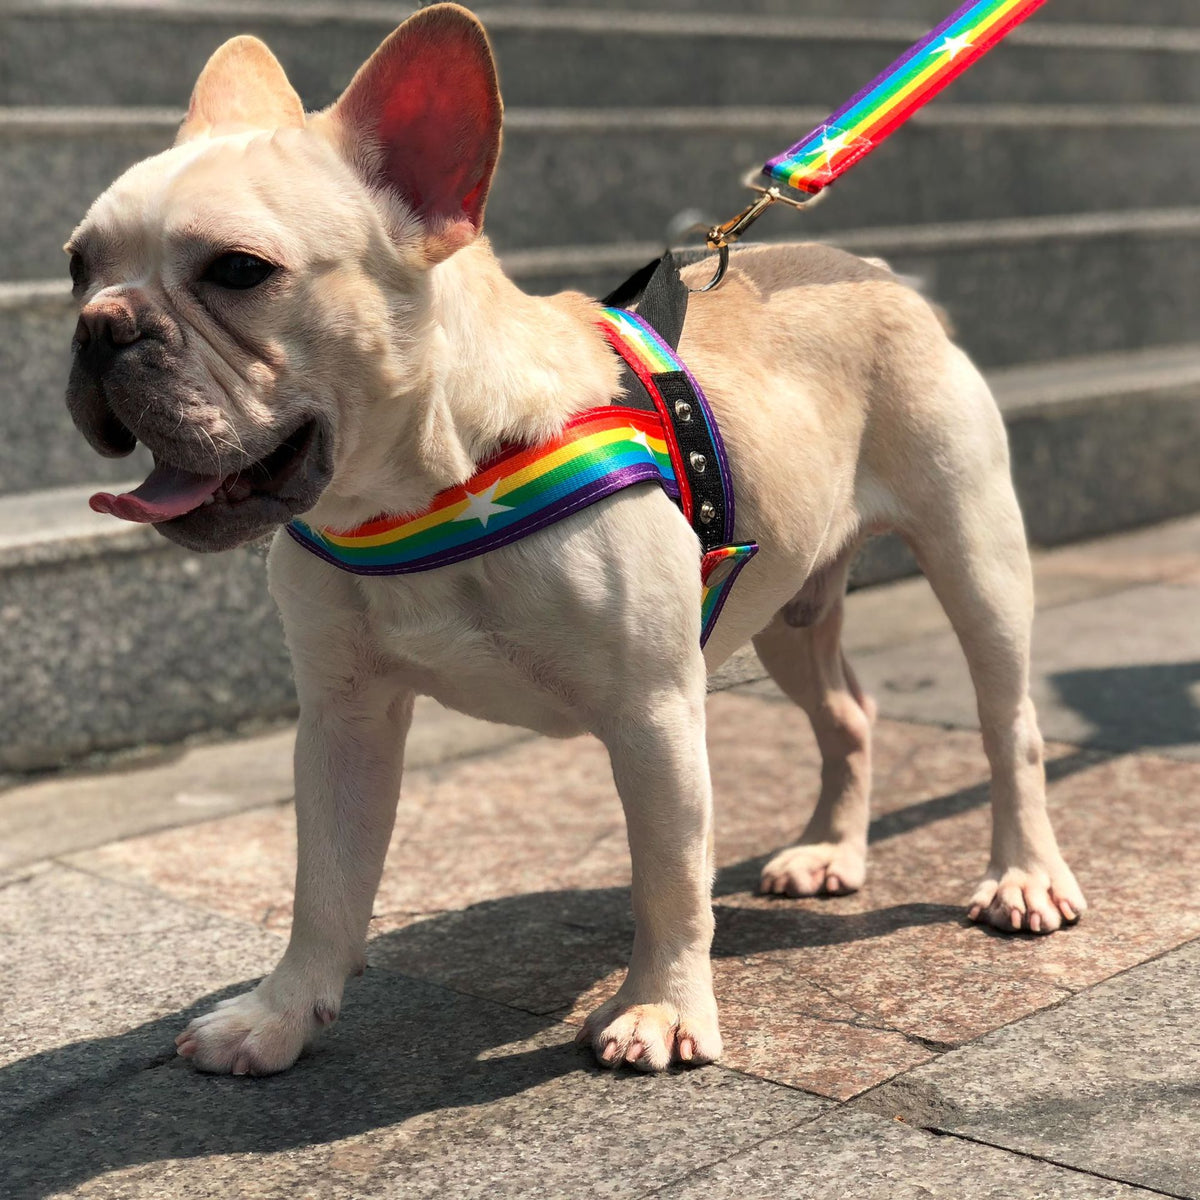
(492, 365)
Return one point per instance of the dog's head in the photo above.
(248, 295)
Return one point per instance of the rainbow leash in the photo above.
(918, 75)
(873, 114)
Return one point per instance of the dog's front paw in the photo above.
(651, 1037)
(1038, 900)
(247, 1035)
(820, 869)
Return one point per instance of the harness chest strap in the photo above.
(672, 441)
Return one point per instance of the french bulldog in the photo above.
(297, 315)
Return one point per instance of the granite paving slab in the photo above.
(1119, 672)
(860, 1157)
(160, 787)
(508, 878)
(1108, 1082)
(417, 1091)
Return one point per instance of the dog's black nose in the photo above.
(102, 332)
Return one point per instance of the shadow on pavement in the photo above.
(1146, 707)
(402, 1047)
(405, 1047)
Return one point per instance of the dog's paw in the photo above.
(246, 1035)
(650, 1037)
(1040, 900)
(820, 869)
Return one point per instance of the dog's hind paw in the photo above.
(245, 1035)
(1040, 900)
(820, 869)
(650, 1037)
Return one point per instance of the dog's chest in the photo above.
(474, 655)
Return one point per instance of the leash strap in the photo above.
(918, 75)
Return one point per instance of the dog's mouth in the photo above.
(217, 511)
(169, 491)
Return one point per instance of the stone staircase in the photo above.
(1050, 201)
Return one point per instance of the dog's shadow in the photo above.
(403, 1046)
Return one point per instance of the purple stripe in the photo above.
(642, 472)
(862, 93)
(713, 429)
(726, 587)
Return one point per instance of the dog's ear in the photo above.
(242, 86)
(421, 121)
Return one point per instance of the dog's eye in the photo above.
(78, 269)
(237, 270)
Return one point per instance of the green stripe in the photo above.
(879, 99)
(524, 501)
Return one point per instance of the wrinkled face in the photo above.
(253, 300)
(225, 312)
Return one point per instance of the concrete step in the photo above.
(569, 176)
(67, 56)
(1018, 292)
(102, 621)
(1128, 12)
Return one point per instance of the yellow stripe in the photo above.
(506, 485)
(408, 529)
(565, 454)
(918, 81)
(643, 345)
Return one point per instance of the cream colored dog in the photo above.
(297, 315)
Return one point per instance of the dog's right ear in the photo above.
(242, 86)
(421, 123)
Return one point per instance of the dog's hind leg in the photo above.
(969, 539)
(801, 649)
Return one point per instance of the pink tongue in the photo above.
(168, 492)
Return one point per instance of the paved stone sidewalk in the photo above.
(876, 1045)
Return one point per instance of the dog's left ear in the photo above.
(421, 120)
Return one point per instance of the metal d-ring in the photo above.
(720, 236)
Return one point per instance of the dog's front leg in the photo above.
(665, 1010)
(349, 754)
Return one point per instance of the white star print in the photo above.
(481, 506)
(831, 145)
(953, 46)
(640, 438)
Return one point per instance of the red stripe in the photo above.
(894, 118)
(667, 431)
(510, 459)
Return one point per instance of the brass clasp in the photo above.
(720, 236)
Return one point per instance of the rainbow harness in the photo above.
(662, 432)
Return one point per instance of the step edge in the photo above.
(70, 120)
(1047, 389)
(1100, 36)
(883, 239)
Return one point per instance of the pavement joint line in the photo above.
(862, 1100)
(741, 1151)
(1052, 1162)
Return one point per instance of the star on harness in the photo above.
(661, 431)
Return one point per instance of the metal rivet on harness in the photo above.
(683, 410)
(707, 512)
(698, 461)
